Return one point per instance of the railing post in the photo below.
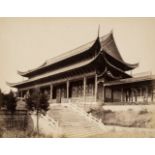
(51, 91)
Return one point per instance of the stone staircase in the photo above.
(72, 123)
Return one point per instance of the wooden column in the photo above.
(121, 94)
(147, 91)
(131, 95)
(67, 88)
(141, 95)
(112, 94)
(127, 96)
(51, 91)
(103, 92)
(96, 85)
(84, 88)
(136, 94)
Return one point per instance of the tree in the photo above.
(1, 98)
(39, 102)
(10, 102)
(36, 102)
(44, 104)
(29, 101)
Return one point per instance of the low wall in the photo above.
(128, 116)
(150, 108)
(129, 103)
(17, 120)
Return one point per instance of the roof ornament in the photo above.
(112, 31)
(98, 35)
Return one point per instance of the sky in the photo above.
(26, 43)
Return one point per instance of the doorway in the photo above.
(60, 93)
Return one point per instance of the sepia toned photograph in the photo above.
(77, 77)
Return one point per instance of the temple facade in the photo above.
(92, 73)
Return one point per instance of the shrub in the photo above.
(143, 111)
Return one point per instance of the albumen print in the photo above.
(77, 77)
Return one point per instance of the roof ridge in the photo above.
(83, 45)
(69, 51)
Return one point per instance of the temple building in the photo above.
(92, 73)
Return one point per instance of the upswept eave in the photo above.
(12, 84)
(114, 67)
(22, 73)
(109, 47)
(126, 66)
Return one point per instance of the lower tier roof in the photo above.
(131, 80)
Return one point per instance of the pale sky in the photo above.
(25, 43)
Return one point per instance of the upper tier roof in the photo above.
(107, 43)
(62, 57)
(109, 46)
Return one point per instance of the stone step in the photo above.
(82, 134)
(72, 123)
(81, 130)
(72, 132)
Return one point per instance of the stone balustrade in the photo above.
(88, 116)
(48, 125)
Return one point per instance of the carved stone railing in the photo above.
(64, 100)
(52, 122)
(88, 116)
(86, 100)
(76, 99)
(51, 128)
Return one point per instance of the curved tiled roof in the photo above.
(130, 80)
(64, 56)
(109, 46)
(107, 43)
(55, 72)
(61, 57)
